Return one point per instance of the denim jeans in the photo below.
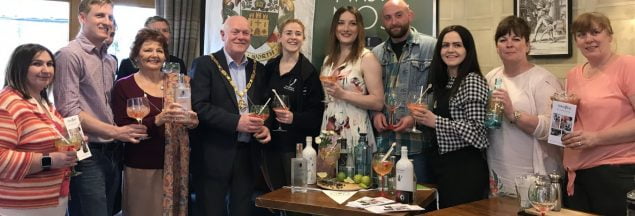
(93, 191)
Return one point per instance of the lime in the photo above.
(362, 185)
(365, 180)
(357, 178)
(341, 176)
(322, 175)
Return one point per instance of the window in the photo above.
(129, 20)
(42, 22)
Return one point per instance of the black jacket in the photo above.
(304, 88)
(214, 142)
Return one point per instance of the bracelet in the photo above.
(516, 117)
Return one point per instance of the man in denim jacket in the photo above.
(405, 58)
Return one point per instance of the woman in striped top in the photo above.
(458, 116)
(33, 175)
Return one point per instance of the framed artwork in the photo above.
(549, 21)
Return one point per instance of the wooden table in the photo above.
(317, 203)
(495, 206)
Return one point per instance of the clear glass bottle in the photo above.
(341, 162)
(183, 94)
(362, 156)
(494, 115)
(298, 171)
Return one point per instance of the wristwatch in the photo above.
(46, 162)
(516, 117)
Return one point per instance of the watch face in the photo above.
(46, 162)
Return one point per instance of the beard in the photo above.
(403, 30)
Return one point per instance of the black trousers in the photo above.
(279, 167)
(240, 188)
(602, 189)
(461, 176)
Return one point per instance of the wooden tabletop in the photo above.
(496, 206)
(317, 203)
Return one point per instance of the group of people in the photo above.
(233, 151)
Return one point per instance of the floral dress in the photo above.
(348, 120)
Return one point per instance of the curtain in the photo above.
(185, 20)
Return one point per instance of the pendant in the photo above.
(242, 106)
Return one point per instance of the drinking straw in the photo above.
(279, 99)
(263, 106)
(62, 136)
(428, 88)
(389, 151)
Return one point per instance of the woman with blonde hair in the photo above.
(293, 76)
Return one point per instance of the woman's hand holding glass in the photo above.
(281, 108)
(68, 147)
(333, 89)
(416, 100)
(424, 116)
(63, 159)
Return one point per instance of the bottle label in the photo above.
(404, 197)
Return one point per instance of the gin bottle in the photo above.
(494, 116)
(298, 171)
(309, 155)
(404, 179)
(362, 156)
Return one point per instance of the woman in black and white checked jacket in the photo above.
(460, 96)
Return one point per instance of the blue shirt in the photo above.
(239, 77)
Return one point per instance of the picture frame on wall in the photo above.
(549, 22)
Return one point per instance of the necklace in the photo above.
(241, 94)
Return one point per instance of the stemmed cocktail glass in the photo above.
(416, 101)
(280, 104)
(382, 166)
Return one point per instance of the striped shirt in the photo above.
(24, 130)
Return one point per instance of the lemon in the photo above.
(322, 175)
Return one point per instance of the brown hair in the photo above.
(513, 24)
(18, 68)
(147, 34)
(333, 44)
(584, 23)
(84, 6)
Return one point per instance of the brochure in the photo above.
(562, 119)
(74, 128)
(365, 202)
